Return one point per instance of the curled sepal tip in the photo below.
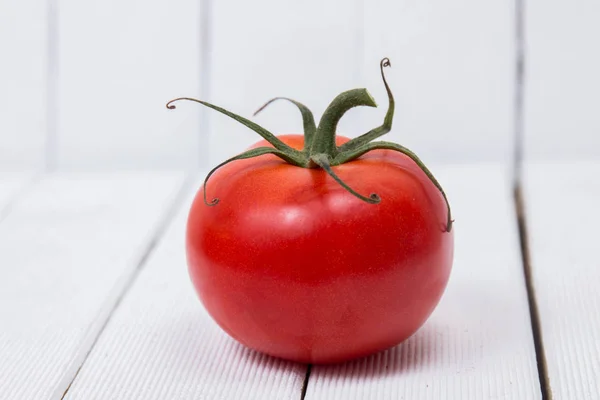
(387, 121)
(265, 134)
(322, 160)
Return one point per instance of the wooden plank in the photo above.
(64, 248)
(23, 73)
(452, 75)
(11, 184)
(308, 50)
(161, 344)
(562, 85)
(561, 205)
(478, 342)
(561, 125)
(120, 62)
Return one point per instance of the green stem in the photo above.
(324, 142)
(308, 121)
(354, 154)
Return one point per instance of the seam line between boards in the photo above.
(534, 315)
(203, 136)
(112, 302)
(305, 383)
(50, 155)
(518, 195)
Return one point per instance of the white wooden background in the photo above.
(96, 177)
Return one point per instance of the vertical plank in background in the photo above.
(561, 204)
(562, 103)
(452, 75)
(23, 73)
(561, 191)
(67, 246)
(162, 344)
(307, 50)
(478, 342)
(119, 63)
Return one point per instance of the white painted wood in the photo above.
(65, 246)
(478, 342)
(308, 50)
(23, 72)
(11, 185)
(161, 344)
(120, 62)
(452, 75)
(562, 89)
(561, 204)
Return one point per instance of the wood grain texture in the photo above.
(64, 246)
(562, 89)
(561, 205)
(23, 73)
(120, 62)
(161, 344)
(478, 342)
(308, 50)
(452, 75)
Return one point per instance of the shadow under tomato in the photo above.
(206, 345)
(420, 352)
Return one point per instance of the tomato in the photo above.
(290, 264)
(294, 260)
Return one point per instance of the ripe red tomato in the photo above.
(291, 264)
(319, 248)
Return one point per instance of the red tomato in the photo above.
(291, 264)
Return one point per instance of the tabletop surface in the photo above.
(95, 298)
(96, 303)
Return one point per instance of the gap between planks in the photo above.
(206, 18)
(519, 202)
(52, 86)
(116, 295)
(305, 383)
(534, 314)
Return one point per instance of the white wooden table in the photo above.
(95, 301)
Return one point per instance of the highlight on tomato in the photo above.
(318, 248)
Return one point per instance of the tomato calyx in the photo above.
(320, 149)
(308, 121)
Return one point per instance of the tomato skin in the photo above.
(291, 264)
